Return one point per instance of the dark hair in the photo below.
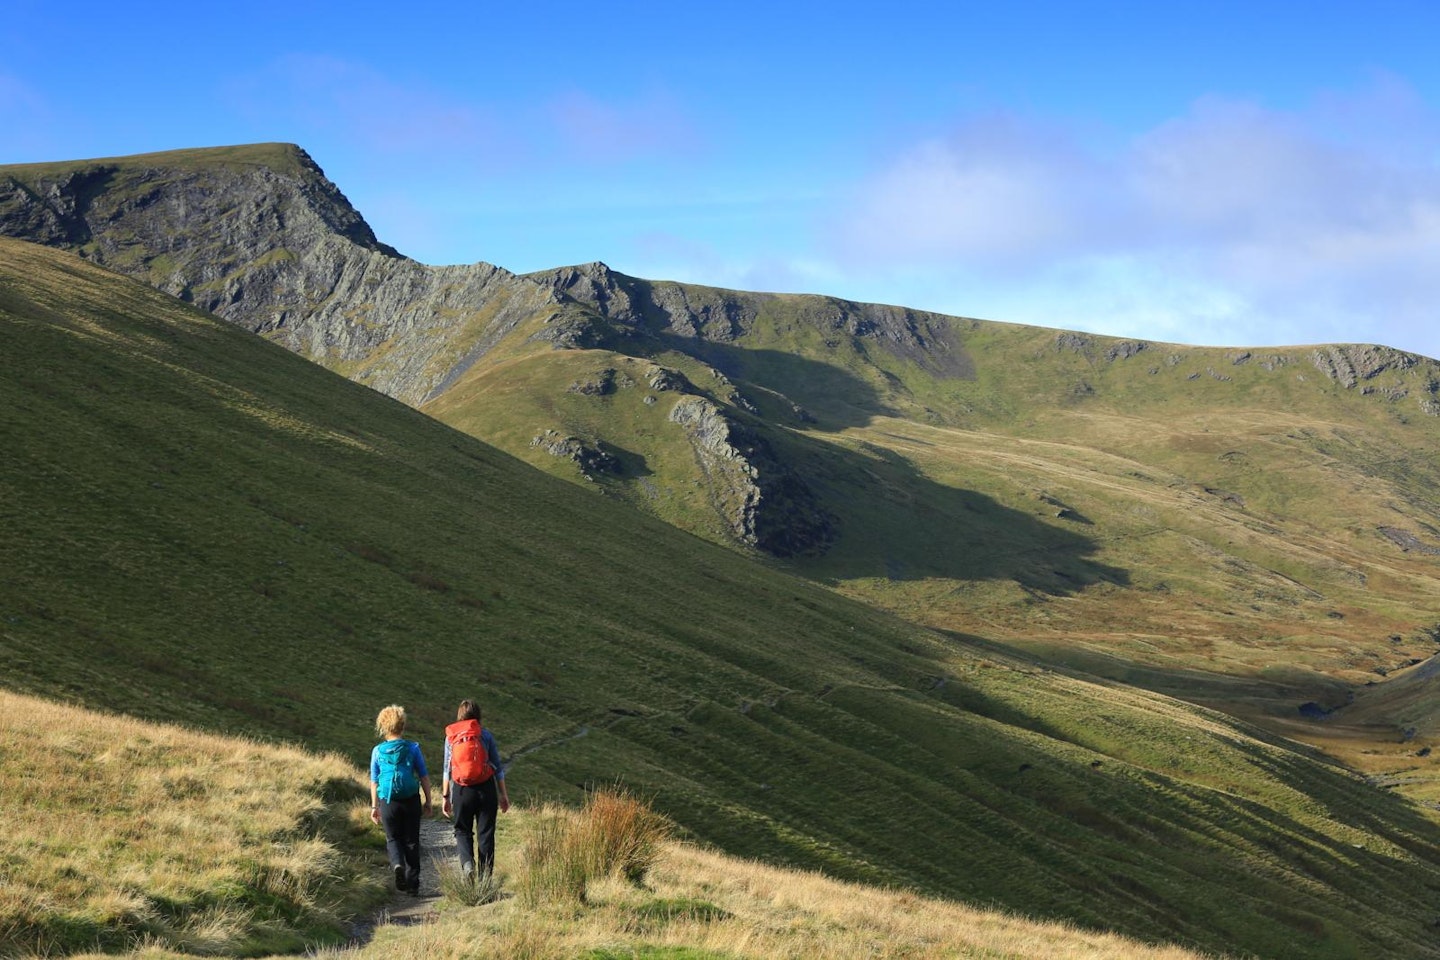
(469, 710)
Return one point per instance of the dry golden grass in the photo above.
(137, 832)
(567, 851)
(697, 904)
(700, 904)
(785, 913)
(167, 842)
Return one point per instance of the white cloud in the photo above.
(993, 192)
(1232, 222)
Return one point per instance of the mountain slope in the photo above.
(1251, 529)
(204, 528)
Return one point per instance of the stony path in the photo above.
(437, 848)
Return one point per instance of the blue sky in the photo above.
(1221, 173)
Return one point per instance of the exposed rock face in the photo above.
(259, 236)
(662, 379)
(1125, 349)
(589, 457)
(766, 504)
(1379, 370)
(1407, 541)
(1348, 364)
(602, 384)
(267, 242)
(724, 316)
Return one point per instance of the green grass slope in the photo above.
(194, 844)
(1251, 528)
(200, 527)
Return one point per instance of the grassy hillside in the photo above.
(699, 905)
(204, 845)
(1251, 529)
(280, 157)
(200, 527)
(136, 831)
(1254, 529)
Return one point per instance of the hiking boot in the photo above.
(399, 877)
(468, 871)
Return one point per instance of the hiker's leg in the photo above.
(391, 817)
(485, 825)
(466, 802)
(411, 827)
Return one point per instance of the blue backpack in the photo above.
(397, 770)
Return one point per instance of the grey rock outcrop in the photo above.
(715, 316)
(259, 236)
(1348, 364)
(589, 457)
(1126, 349)
(767, 505)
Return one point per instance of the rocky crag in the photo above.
(259, 236)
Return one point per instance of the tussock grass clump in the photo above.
(138, 832)
(457, 888)
(615, 835)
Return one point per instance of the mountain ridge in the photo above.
(1263, 514)
(1206, 522)
(203, 528)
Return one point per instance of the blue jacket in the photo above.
(417, 759)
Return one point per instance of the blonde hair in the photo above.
(391, 721)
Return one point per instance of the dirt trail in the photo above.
(437, 849)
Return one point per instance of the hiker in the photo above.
(473, 786)
(397, 779)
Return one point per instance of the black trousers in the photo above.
(475, 810)
(401, 820)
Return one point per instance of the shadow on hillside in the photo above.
(893, 521)
(1309, 772)
(899, 524)
(836, 397)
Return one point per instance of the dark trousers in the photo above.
(475, 809)
(401, 820)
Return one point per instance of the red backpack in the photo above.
(469, 760)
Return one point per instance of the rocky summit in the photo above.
(260, 237)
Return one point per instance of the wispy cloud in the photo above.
(619, 130)
(367, 107)
(1246, 223)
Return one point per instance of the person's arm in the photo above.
(499, 769)
(424, 775)
(374, 789)
(445, 785)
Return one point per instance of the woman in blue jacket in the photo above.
(397, 779)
